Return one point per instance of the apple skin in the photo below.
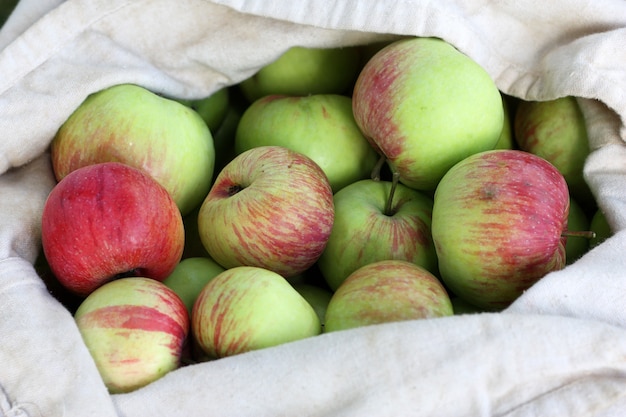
(386, 291)
(248, 308)
(213, 109)
(135, 329)
(601, 227)
(320, 126)
(363, 233)
(317, 296)
(270, 207)
(190, 276)
(556, 131)
(425, 106)
(301, 71)
(109, 220)
(498, 222)
(129, 124)
(577, 220)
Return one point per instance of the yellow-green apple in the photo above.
(320, 126)
(425, 106)
(135, 329)
(213, 109)
(556, 131)
(301, 71)
(270, 207)
(248, 308)
(130, 124)
(373, 222)
(317, 296)
(110, 220)
(190, 276)
(600, 226)
(506, 139)
(386, 291)
(499, 224)
(577, 220)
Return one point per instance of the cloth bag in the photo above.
(559, 350)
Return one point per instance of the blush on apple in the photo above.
(499, 224)
(107, 221)
(135, 329)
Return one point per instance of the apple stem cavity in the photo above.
(378, 167)
(588, 234)
(234, 189)
(389, 211)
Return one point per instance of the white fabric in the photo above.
(558, 350)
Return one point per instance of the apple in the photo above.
(425, 106)
(556, 131)
(110, 220)
(190, 276)
(270, 207)
(301, 71)
(499, 224)
(247, 308)
(320, 126)
(375, 221)
(213, 109)
(576, 246)
(130, 124)
(316, 296)
(600, 226)
(386, 291)
(506, 139)
(135, 330)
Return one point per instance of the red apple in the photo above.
(110, 220)
(499, 222)
(270, 207)
(135, 329)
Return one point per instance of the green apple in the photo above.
(190, 276)
(248, 308)
(130, 124)
(600, 226)
(506, 139)
(576, 246)
(461, 306)
(320, 126)
(270, 207)
(499, 221)
(386, 291)
(301, 71)
(317, 296)
(375, 221)
(135, 329)
(425, 106)
(556, 131)
(212, 109)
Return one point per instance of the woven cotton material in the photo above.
(558, 350)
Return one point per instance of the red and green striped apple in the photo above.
(270, 207)
(499, 224)
(135, 329)
(386, 291)
(248, 308)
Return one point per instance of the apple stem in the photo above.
(378, 167)
(585, 233)
(394, 184)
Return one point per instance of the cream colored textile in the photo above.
(559, 350)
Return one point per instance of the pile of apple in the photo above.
(336, 188)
